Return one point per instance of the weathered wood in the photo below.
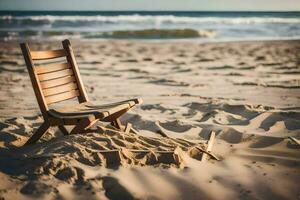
(209, 145)
(162, 131)
(295, 140)
(93, 121)
(55, 75)
(116, 113)
(134, 131)
(61, 97)
(38, 134)
(57, 82)
(44, 55)
(71, 59)
(128, 128)
(118, 124)
(53, 121)
(63, 130)
(43, 69)
(209, 154)
(83, 125)
(34, 79)
(60, 89)
(75, 115)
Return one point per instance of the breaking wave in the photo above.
(153, 19)
(150, 25)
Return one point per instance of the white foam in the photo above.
(157, 19)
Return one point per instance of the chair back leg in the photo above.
(83, 125)
(63, 130)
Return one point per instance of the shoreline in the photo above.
(155, 40)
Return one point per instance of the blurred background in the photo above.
(213, 21)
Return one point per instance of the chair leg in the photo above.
(127, 129)
(81, 127)
(210, 143)
(38, 134)
(63, 130)
(118, 124)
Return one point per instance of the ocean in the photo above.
(146, 25)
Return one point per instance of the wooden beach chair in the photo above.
(53, 83)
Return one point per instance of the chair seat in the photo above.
(88, 109)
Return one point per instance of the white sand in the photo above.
(247, 92)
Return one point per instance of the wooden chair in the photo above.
(59, 82)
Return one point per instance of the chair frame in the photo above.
(82, 123)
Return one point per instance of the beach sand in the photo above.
(248, 93)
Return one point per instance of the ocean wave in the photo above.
(157, 19)
(215, 26)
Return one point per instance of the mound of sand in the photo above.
(102, 147)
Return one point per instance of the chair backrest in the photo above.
(56, 82)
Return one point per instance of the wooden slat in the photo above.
(51, 68)
(60, 89)
(55, 75)
(57, 82)
(61, 97)
(43, 55)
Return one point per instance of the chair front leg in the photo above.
(83, 125)
(63, 130)
(38, 134)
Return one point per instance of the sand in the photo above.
(248, 93)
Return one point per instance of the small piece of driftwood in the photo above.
(295, 140)
(206, 152)
(209, 145)
(127, 128)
